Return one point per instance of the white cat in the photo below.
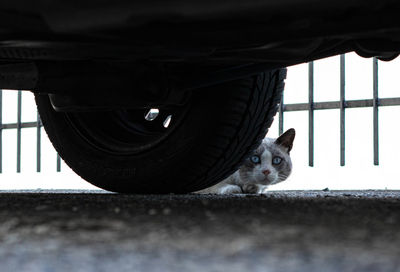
(269, 164)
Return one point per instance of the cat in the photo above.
(269, 164)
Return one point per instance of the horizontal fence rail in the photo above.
(362, 103)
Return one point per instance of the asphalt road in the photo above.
(281, 231)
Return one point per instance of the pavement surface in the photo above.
(280, 231)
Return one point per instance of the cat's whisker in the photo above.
(283, 177)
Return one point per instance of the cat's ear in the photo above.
(286, 139)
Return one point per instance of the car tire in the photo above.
(207, 140)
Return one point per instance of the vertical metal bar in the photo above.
(1, 131)
(58, 163)
(38, 143)
(342, 110)
(281, 115)
(375, 105)
(19, 132)
(311, 114)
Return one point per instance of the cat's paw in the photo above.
(250, 188)
(230, 189)
(253, 188)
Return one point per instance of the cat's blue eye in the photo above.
(276, 160)
(255, 159)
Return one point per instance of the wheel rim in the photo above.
(125, 131)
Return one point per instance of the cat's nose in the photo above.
(266, 172)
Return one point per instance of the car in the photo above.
(172, 96)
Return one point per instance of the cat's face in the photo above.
(270, 163)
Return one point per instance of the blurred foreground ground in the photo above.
(281, 231)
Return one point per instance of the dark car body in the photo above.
(46, 36)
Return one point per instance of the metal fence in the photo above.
(342, 105)
(19, 125)
(311, 106)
